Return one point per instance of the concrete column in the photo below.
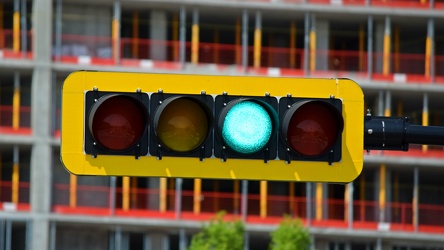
(158, 35)
(41, 155)
(322, 44)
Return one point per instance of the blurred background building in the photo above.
(393, 48)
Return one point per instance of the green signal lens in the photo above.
(183, 125)
(247, 127)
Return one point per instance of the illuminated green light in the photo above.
(247, 127)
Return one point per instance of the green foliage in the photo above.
(290, 235)
(219, 235)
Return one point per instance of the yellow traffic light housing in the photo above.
(194, 126)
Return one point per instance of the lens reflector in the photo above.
(313, 128)
(183, 125)
(247, 127)
(117, 122)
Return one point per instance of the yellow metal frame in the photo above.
(77, 162)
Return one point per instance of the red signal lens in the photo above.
(313, 127)
(117, 122)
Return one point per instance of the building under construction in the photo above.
(394, 49)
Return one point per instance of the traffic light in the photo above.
(219, 127)
(116, 123)
(181, 125)
(246, 127)
(311, 129)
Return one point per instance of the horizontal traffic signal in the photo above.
(129, 124)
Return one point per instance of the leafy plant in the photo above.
(290, 235)
(219, 234)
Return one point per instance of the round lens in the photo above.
(313, 129)
(247, 127)
(117, 122)
(183, 125)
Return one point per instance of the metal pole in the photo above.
(182, 36)
(415, 198)
(2, 235)
(182, 239)
(306, 42)
(178, 197)
(116, 31)
(431, 36)
(350, 205)
(395, 133)
(246, 241)
(52, 235)
(23, 28)
(308, 186)
(245, 41)
(112, 194)
(244, 199)
(370, 47)
(8, 234)
(117, 238)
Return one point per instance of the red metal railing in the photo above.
(7, 45)
(6, 193)
(422, 4)
(145, 203)
(6, 120)
(134, 51)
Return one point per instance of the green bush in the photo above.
(290, 235)
(219, 235)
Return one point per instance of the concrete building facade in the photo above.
(393, 48)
